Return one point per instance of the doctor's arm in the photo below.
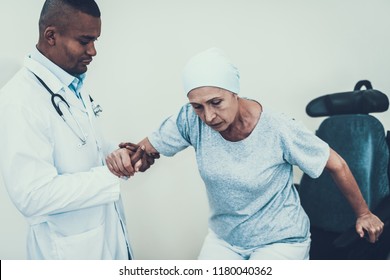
(36, 186)
(342, 176)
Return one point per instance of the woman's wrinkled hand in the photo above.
(370, 224)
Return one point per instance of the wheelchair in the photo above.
(362, 141)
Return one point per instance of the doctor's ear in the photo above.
(50, 35)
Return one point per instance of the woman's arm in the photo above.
(347, 184)
(170, 138)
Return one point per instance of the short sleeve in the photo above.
(172, 136)
(303, 148)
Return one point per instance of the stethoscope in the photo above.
(96, 110)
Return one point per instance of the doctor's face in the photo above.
(216, 107)
(75, 43)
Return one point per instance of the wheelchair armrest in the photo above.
(350, 236)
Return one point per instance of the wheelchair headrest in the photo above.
(358, 101)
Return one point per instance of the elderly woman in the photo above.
(245, 154)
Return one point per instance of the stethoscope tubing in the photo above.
(56, 106)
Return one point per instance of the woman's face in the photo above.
(216, 107)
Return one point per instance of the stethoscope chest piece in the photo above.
(96, 109)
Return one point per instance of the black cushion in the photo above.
(357, 101)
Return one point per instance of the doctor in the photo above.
(52, 153)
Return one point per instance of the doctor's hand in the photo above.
(147, 159)
(124, 162)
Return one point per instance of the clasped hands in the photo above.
(129, 159)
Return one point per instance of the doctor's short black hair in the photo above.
(89, 7)
(86, 6)
(55, 10)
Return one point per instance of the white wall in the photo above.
(288, 53)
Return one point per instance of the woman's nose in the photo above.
(209, 115)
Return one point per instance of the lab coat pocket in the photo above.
(88, 245)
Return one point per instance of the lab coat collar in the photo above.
(60, 73)
(42, 72)
(53, 82)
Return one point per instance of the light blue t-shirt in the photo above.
(249, 183)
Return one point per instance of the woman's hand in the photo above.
(342, 176)
(370, 224)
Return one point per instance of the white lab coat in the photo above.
(70, 200)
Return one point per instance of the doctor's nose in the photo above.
(91, 50)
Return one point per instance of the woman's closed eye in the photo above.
(216, 102)
(197, 106)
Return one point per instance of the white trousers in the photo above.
(214, 248)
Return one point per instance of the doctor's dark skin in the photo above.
(147, 159)
(121, 164)
(138, 161)
(71, 44)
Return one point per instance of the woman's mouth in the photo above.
(215, 125)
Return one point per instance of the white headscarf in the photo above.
(211, 68)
